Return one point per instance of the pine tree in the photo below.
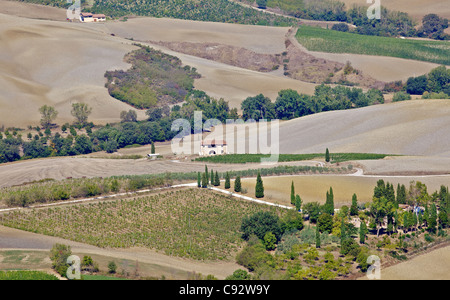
(216, 179)
(227, 181)
(327, 155)
(259, 188)
(237, 184)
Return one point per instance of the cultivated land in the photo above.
(68, 71)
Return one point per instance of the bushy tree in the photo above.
(48, 115)
(258, 107)
(81, 112)
(259, 224)
(58, 255)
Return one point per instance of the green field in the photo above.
(256, 158)
(332, 41)
(26, 275)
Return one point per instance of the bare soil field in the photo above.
(413, 128)
(56, 63)
(417, 127)
(150, 262)
(32, 11)
(432, 265)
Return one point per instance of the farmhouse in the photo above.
(213, 147)
(88, 17)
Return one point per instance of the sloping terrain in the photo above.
(56, 63)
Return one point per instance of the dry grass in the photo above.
(314, 188)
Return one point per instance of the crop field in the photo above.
(255, 158)
(314, 188)
(319, 39)
(26, 275)
(190, 223)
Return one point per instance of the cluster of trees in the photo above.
(385, 208)
(290, 104)
(205, 179)
(155, 78)
(265, 231)
(391, 23)
(436, 82)
(44, 144)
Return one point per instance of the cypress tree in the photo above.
(199, 179)
(207, 174)
(204, 180)
(237, 184)
(317, 237)
(153, 148)
(212, 177)
(327, 155)
(292, 193)
(354, 207)
(216, 179)
(362, 232)
(227, 181)
(259, 188)
(298, 202)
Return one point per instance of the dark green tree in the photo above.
(327, 155)
(362, 232)
(237, 184)
(153, 148)
(212, 177)
(261, 223)
(199, 179)
(298, 203)
(227, 181)
(354, 206)
(216, 179)
(259, 188)
(204, 180)
(292, 193)
(317, 237)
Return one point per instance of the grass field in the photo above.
(313, 188)
(26, 275)
(256, 158)
(190, 223)
(323, 40)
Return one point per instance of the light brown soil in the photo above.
(156, 264)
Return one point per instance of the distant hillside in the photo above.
(201, 10)
(324, 40)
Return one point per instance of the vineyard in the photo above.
(26, 275)
(191, 223)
